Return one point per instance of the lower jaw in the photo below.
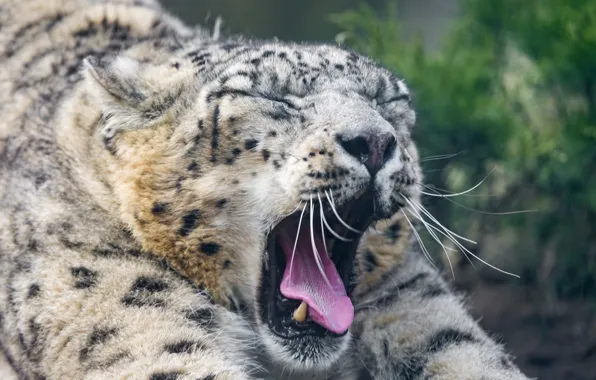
(306, 354)
(309, 352)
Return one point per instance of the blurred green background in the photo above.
(508, 87)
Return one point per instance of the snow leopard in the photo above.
(176, 204)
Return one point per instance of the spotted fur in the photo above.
(142, 164)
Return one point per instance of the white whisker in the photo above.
(332, 203)
(322, 227)
(314, 246)
(462, 192)
(296, 241)
(424, 250)
(484, 262)
(427, 224)
(454, 241)
(427, 213)
(452, 234)
(449, 234)
(439, 195)
(436, 238)
(449, 237)
(329, 227)
(439, 191)
(439, 157)
(416, 206)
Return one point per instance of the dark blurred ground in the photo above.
(552, 339)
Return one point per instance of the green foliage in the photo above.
(512, 89)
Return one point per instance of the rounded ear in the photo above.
(116, 77)
(133, 94)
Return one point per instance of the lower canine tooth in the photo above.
(300, 313)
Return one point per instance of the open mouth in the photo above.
(308, 269)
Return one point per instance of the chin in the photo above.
(308, 264)
(305, 353)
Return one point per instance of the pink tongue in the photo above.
(329, 306)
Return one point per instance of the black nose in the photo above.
(372, 149)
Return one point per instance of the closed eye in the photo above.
(276, 99)
(228, 91)
(397, 98)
